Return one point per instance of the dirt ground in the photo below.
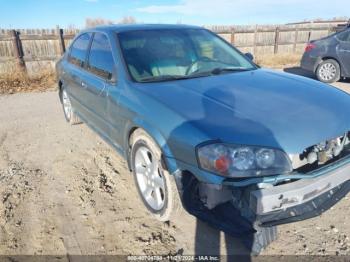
(64, 191)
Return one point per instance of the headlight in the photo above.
(243, 161)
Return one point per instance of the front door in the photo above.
(97, 82)
(74, 70)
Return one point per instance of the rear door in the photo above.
(344, 51)
(74, 71)
(100, 77)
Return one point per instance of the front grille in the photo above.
(322, 154)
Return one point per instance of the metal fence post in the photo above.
(309, 37)
(59, 33)
(18, 50)
(277, 36)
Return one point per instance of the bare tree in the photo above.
(72, 27)
(127, 20)
(92, 22)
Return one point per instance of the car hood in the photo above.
(260, 107)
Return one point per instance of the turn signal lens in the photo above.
(222, 164)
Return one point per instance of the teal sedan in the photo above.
(205, 129)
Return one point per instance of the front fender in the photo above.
(157, 137)
(172, 165)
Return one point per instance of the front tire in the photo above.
(155, 186)
(328, 71)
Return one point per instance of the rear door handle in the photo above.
(83, 84)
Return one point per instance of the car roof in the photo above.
(137, 27)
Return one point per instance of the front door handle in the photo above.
(83, 84)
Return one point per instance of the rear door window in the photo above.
(344, 36)
(101, 61)
(79, 50)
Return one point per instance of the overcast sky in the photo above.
(48, 13)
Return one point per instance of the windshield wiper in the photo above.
(162, 78)
(215, 71)
(219, 70)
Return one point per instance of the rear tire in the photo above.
(156, 187)
(68, 110)
(328, 71)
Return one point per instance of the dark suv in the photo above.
(329, 57)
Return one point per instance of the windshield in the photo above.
(171, 54)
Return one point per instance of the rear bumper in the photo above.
(309, 63)
(302, 199)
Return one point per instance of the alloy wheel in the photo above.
(149, 178)
(327, 71)
(67, 106)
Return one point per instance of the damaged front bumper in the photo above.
(306, 209)
(310, 196)
(239, 208)
(287, 199)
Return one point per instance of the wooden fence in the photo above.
(277, 40)
(33, 50)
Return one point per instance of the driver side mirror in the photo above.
(249, 56)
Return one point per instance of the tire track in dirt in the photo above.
(4, 157)
(127, 208)
(92, 212)
(19, 182)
